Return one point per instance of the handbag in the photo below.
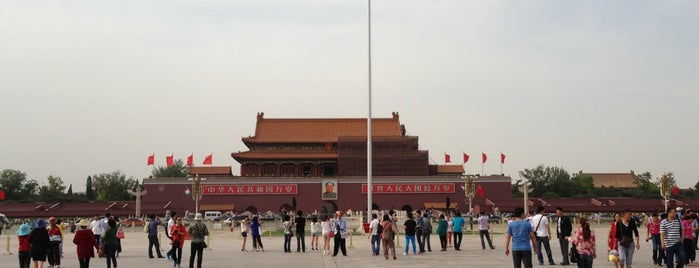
(574, 255)
(331, 234)
(625, 241)
(204, 245)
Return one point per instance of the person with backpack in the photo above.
(375, 230)
(426, 232)
(198, 232)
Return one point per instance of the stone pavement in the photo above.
(225, 251)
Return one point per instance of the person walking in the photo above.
(288, 232)
(612, 243)
(109, 239)
(85, 242)
(387, 234)
(153, 237)
(300, 225)
(315, 233)
(442, 226)
(520, 233)
(340, 227)
(688, 241)
(198, 231)
(39, 238)
(326, 229)
(178, 233)
(540, 224)
(563, 230)
(626, 231)
(450, 230)
(484, 229)
(255, 228)
(426, 233)
(375, 234)
(410, 227)
(653, 233)
(584, 242)
(97, 228)
(244, 230)
(457, 227)
(24, 245)
(671, 239)
(418, 231)
(55, 238)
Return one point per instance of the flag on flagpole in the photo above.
(169, 160)
(479, 191)
(207, 160)
(502, 158)
(447, 158)
(485, 157)
(466, 157)
(190, 160)
(151, 160)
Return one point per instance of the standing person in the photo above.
(584, 241)
(626, 231)
(300, 222)
(688, 232)
(340, 227)
(426, 232)
(170, 222)
(198, 231)
(244, 230)
(563, 231)
(450, 230)
(153, 236)
(387, 234)
(255, 231)
(418, 232)
(540, 224)
(120, 235)
(315, 233)
(96, 227)
(326, 229)
(375, 234)
(612, 243)
(24, 246)
(442, 226)
(39, 238)
(410, 227)
(178, 233)
(86, 243)
(520, 233)
(484, 229)
(54, 253)
(695, 227)
(457, 226)
(286, 224)
(109, 239)
(671, 239)
(653, 232)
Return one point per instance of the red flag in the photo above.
(466, 157)
(168, 160)
(675, 190)
(190, 160)
(187, 191)
(151, 160)
(207, 160)
(447, 158)
(2, 195)
(485, 157)
(479, 191)
(502, 158)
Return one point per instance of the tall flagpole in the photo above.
(369, 183)
(501, 162)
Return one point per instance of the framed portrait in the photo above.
(329, 190)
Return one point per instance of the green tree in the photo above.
(54, 190)
(70, 189)
(645, 187)
(550, 182)
(112, 186)
(89, 189)
(177, 170)
(16, 186)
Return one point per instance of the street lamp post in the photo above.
(197, 191)
(469, 190)
(526, 190)
(138, 193)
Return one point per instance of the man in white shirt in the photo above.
(375, 235)
(540, 225)
(96, 226)
(483, 229)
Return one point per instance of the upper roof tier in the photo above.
(313, 130)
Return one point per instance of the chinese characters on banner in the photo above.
(410, 188)
(252, 189)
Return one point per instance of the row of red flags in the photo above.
(169, 160)
(484, 158)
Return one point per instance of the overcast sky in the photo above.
(91, 87)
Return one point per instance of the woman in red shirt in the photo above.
(85, 241)
(612, 243)
(178, 232)
(25, 246)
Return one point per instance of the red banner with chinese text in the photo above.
(410, 188)
(250, 189)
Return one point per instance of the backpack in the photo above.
(380, 229)
(426, 226)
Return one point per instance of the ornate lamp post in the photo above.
(526, 190)
(138, 193)
(469, 190)
(197, 191)
(665, 184)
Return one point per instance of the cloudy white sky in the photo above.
(89, 87)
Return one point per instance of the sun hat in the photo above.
(197, 217)
(83, 223)
(40, 223)
(24, 229)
